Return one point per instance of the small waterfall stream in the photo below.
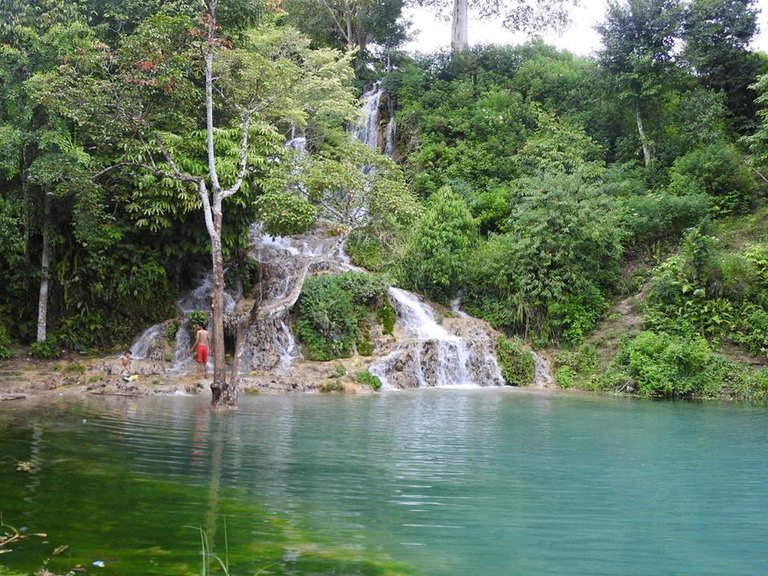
(369, 131)
(285, 263)
(151, 345)
(430, 355)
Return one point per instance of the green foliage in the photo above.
(517, 365)
(49, 349)
(576, 315)
(436, 259)
(575, 366)
(365, 250)
(566, 377)
(752, 332)
(171, 330)
(717, 35)
(665, 365)
(334, 313)
(750, 385)
(656, 218)
(364, 341)
(197, 318)
(709, 291)
(367, 379)
(558, 147)
(561, 249)
(285, 213)
(387, 317)
(5, 344)
(717, 171)
(758, 142)
(468, 126)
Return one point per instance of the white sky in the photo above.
(580, 38)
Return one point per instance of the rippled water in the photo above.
(437, 482)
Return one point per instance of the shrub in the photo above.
(517, 365)
(436, 259)
(367, 379)
(665, 365)
(387, 317)
(335, 312)
(653, 218)
(49, 349)
(715, 170)
(575, 366)
(5, 344)
(171, 329)
(194, 318)
(753, 333)
(576, 315)
(566, 377)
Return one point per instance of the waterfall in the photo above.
(368, 130)
(151, 344)
(430, 355)
(285, 263)
(542, 377)
(389, 139)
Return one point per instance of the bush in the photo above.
(517, 365)
(195, 318)
(576, 315)
(367, 379)
(171, 329)
(715, 170)
(49, 349)
(5, 344)
(576, 366)
(665, 365)
(566, 377)
(653, 218)
(335, 312)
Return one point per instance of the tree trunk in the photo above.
(459, 36)
(224, 392)
(647, 147)
(45, 272)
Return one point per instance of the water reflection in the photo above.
(444, 482)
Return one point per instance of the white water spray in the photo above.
(431, 356)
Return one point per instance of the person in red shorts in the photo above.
(200, 347)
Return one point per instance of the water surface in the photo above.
(435, 482)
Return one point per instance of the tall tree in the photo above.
(349, 24)
(638, 53)
(532, 16)
(717, 35)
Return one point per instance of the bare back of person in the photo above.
(200, 348)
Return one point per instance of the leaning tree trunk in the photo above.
(45, 272)
(224, 393)
(459, 36)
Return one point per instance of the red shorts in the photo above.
(202, 353)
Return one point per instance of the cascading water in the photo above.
(369, 129)
(151, 344)
(285, 263)
(542, 376)
(429, 355)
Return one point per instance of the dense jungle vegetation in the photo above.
(542, 187)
